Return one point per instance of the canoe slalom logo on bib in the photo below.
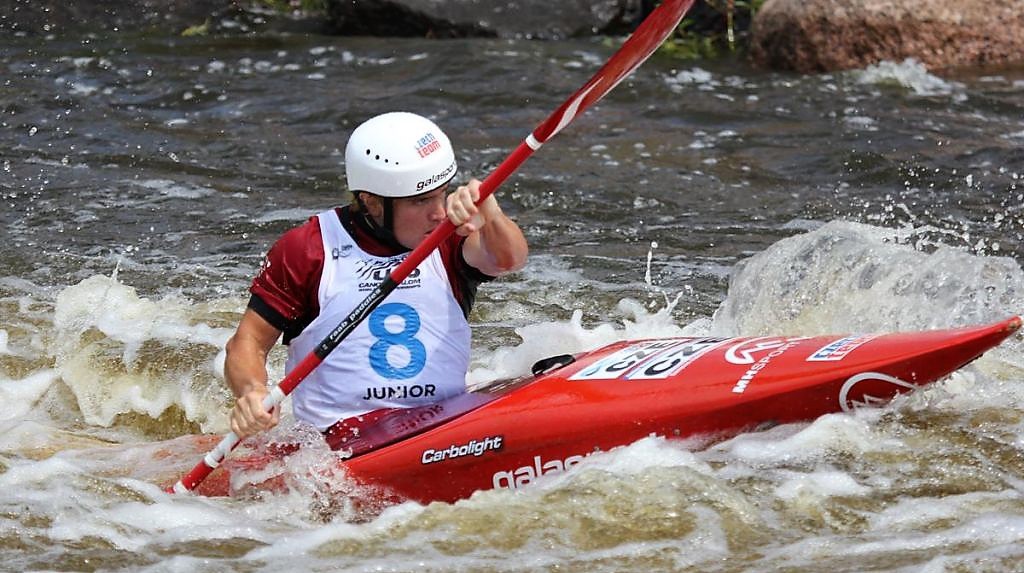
(372, 271)
(376, 268)
(882, 388)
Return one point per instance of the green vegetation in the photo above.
(688, 44)
(255, 13)
(197, 30)
(713, 28)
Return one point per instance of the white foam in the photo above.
(297, 214)
(910, 73)
(692, 76)
(861, 122)
(79, 87)
(638, 457)
(29, 472)
(994, 529)
(829, 434)
(819, 484)
(163, 520)
(18, 396)
(159, 517)
(812, 552)
(20, 435)
(917, 513)
(173, 189)
(702, 79)
(303, 542)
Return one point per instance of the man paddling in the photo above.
(414, 348)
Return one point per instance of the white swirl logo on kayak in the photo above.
(848, 404)
(743, 353)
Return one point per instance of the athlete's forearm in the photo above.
(245, 368)
(503, 242)
(494, 243)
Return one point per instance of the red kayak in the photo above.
(511, 432)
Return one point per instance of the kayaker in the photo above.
(414, 348)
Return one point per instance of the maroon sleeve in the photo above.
(464, 278)
(285, 290)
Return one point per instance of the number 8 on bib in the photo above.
(397, 354)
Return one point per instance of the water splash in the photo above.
(120, 353)
(847, 277)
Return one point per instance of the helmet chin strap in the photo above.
(384, 233)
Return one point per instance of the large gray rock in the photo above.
(502, 18)
(64, 17)
(56, 17)
(825, 35)
(423, 18)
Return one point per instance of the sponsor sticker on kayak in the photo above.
(757, 354)
(648, 360)
(518, 477)
(475, 448)
(836, 351)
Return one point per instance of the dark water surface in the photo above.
(143, 178)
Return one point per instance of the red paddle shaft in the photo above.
(651, 33)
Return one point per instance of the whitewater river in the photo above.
(143, 179)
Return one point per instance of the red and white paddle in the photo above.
(647, 37)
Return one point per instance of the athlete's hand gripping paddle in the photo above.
(647, 37)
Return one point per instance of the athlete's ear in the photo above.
(374, 206)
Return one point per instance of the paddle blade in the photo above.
(653, 31)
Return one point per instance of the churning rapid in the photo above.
(143, 178)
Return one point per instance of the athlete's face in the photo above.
(415, 217)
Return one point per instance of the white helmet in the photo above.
(398, 154)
